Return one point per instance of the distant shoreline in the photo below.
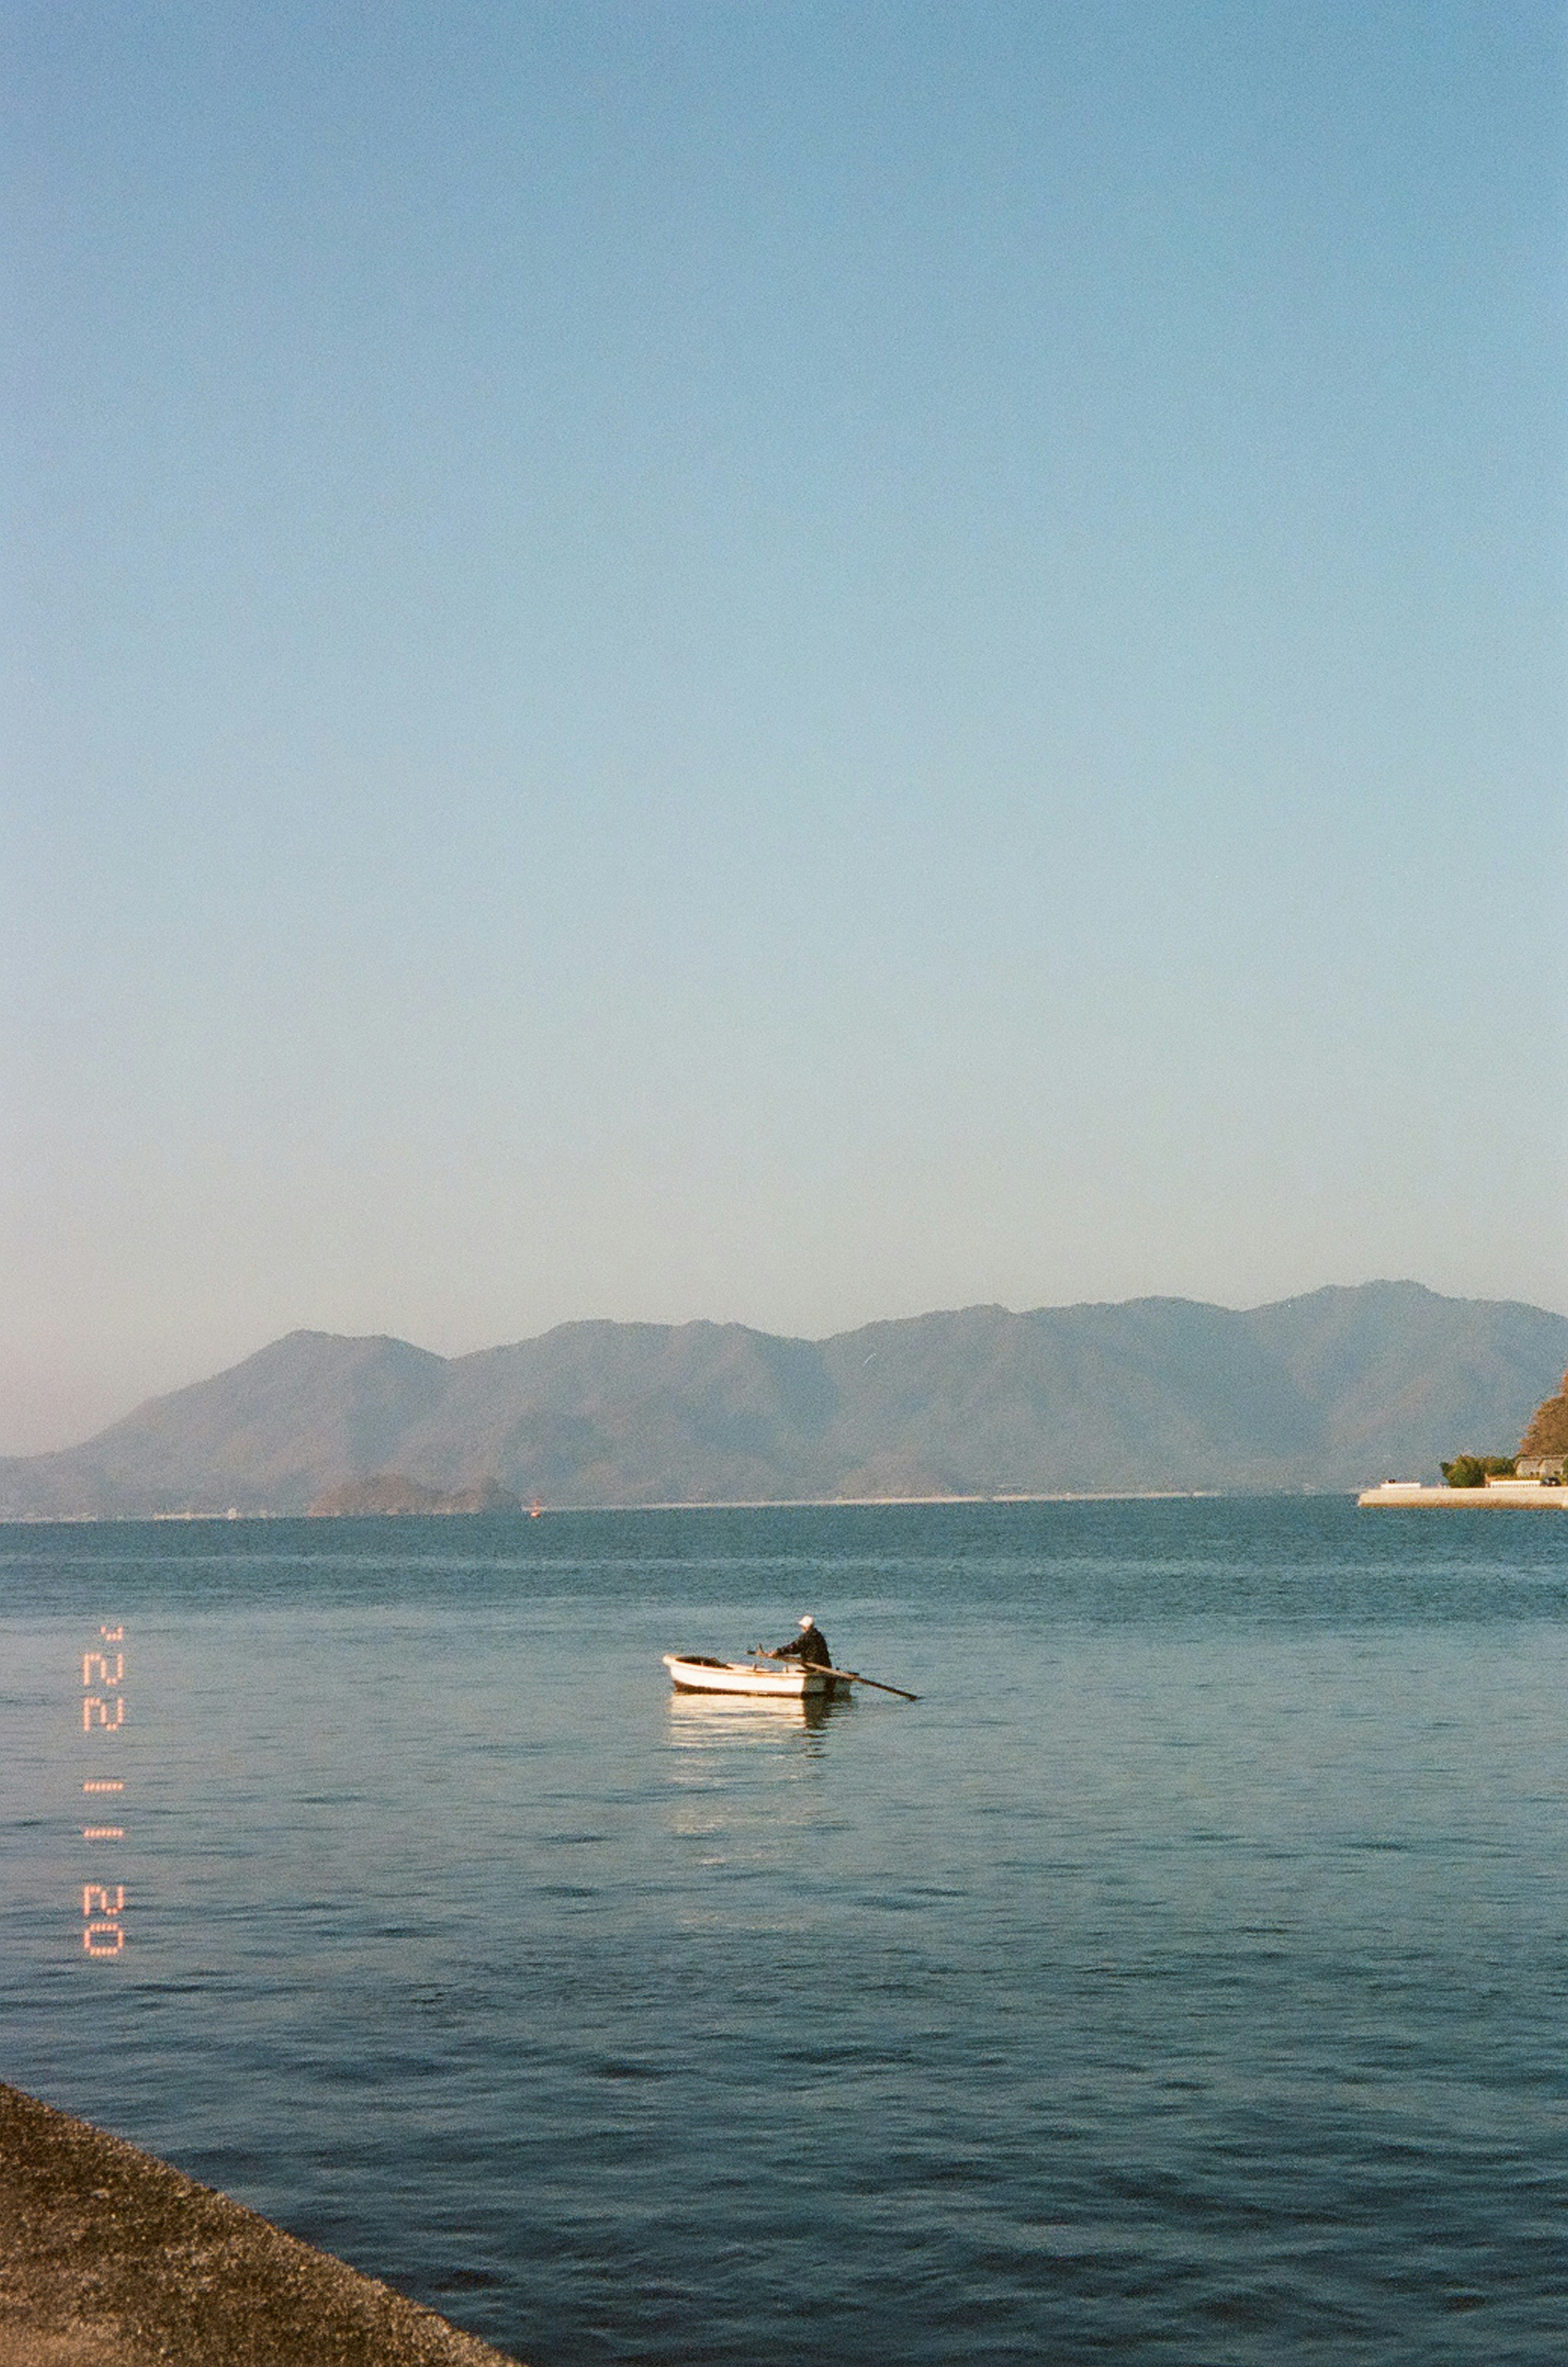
(705, 1504)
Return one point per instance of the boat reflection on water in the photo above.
(702, 1721)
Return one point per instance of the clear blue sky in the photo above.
(783, 662)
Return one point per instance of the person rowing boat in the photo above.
(810, 1649)
(810, 1646)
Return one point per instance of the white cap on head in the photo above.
(809, 1621)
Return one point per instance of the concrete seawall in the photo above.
(108, 2258)
(1529, 1493)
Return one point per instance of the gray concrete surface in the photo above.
(110, 2258)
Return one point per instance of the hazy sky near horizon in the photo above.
(783, 662)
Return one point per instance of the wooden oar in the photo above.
(850, 1676)
(853, 1677)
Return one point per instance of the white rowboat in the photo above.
(696, 1675)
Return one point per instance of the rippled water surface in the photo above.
(1182, 1978)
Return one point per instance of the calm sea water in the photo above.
(1182, 1978)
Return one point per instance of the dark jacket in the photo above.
(810, 1646)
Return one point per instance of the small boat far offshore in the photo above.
(692, 1673)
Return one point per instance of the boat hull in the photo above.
(702, 1676)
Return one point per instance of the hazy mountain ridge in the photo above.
(1327, 1390)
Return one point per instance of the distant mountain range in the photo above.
(1326, 1391)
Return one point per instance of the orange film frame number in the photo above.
(103, 1712)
